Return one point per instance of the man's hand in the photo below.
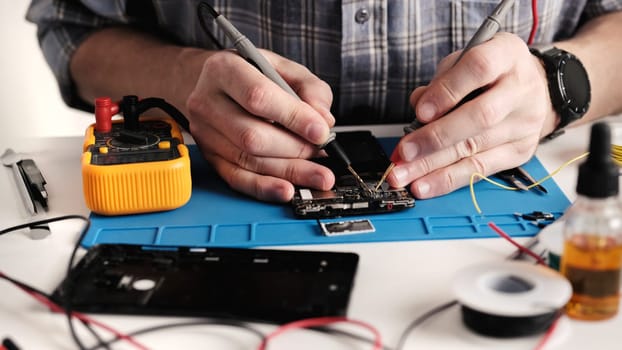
(256, 135)
(496, 130)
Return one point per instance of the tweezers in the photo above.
(520, 178)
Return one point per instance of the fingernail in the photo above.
(395, 157)
(409, 151)
(327, 114)
(280, 194)
(423, 188)
(317, 181)
(399, 174)
(426, 111)
(317, 133)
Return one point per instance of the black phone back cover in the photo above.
(247, 284)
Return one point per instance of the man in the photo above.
(356, 60)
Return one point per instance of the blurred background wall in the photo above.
(30, 104)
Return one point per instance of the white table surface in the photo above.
(396, 282)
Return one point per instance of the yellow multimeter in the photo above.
(136, 164)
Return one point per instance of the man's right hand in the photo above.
(256, 135)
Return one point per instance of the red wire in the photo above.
(548, 334)
(56, 308)
(500, 232)
(534, 23)
(320, 321)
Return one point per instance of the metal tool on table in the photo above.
(31, 187)
(29, 181)
(520, 178)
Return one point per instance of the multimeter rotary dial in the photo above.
(135, 141)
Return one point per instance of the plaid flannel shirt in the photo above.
(372, 53)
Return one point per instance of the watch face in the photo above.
(576, 85)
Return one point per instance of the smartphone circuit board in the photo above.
(347, 197)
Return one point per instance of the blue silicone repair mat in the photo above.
(219, 216)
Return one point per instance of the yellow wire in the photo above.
(510, 188)
(616, 154)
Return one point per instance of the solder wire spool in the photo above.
(511, 298)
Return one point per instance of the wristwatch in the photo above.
(569, 85)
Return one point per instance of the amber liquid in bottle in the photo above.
(592, 265)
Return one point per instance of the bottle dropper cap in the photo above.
(598, 175)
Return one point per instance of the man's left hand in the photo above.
(498, 129)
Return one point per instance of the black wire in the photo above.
(100, 340)
(41, 222)
(421, 319)
(40, 227)
(201, 8)
(69, 284)
(48, 297)
(328, 329)
(67, 299)
(24, 286)
(232, 323)
(260, 335)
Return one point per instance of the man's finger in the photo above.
(266, 188)
(311, 89)
(477, 68)
(263, 98)
(297, 171)
(457, 175)
(253, 135)
(468, 121)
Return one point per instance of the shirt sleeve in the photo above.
(595, 8)
(61, 27)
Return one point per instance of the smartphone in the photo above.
(370, 161)
(275, 286)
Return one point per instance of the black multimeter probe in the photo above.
(247, 50)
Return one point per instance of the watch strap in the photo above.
(538, 50)
(550, 57)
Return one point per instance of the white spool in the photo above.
(510, 298)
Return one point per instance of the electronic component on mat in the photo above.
(246, 284)
(137, 164)
(349, 227)
(347, 197)
(521, 179)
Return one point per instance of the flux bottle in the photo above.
(592, 253)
